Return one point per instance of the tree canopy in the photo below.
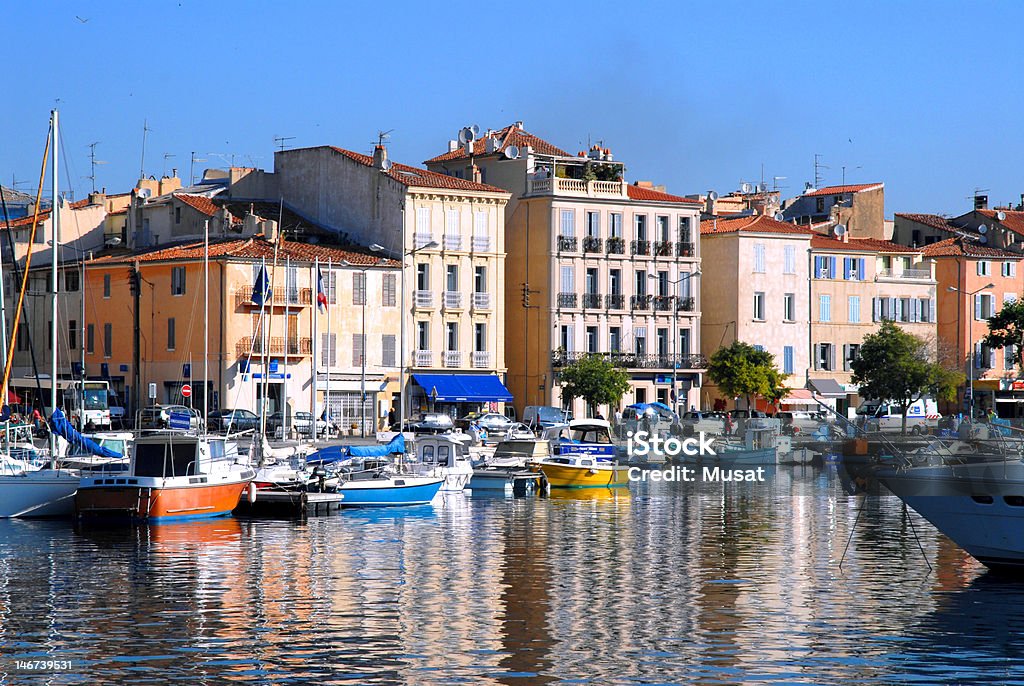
(741, 369)
(594, 379)
(1006, 328)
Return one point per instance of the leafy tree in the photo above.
(1007, 328)
(594, 379)
(895, 366)
(741, 369)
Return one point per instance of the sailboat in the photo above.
(26, 490)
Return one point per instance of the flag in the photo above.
(261, 289)
(321, 297)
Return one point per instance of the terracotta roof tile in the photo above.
(45, 214)
(959, 247)
(859, 245)
(839, 190)
(198, 202)
(649, 194)
(510, 135)
(256, 247)
(422, 178)
(753, 223)
(933, 220)
(1014, 219)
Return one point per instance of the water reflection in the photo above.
(666, 583)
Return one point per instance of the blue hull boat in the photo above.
(389, 491)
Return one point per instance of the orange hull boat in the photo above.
(147, 504)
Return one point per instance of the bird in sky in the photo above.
(80, 19)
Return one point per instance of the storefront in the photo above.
(458, 394)
(831, 394)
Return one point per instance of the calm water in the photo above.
(661, 584)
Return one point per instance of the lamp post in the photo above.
(970, 339)
(675, 326)
(401, 344)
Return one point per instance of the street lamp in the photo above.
(970, 339)
(675, 326)
(376, 247)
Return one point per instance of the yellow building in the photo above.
(306, 352)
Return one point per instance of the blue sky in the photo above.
(925, 96)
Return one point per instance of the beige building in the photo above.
(859, 207)
(755, 290)
(595, 265)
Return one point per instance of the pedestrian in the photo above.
(728, 424)
(392, 417)
(599, 415)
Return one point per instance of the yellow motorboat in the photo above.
(583, 456)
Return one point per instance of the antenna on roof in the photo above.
(167, 156)
(280, 141)
(818, 166)
(383, 136)
(142, 163)
(775, 182)
(92, 163)
(192, 167)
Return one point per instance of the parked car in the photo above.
(922, 415)
(489, 421)
(747, 414)
(708, 422)
(545, 416)
(159, 417)
(428, 423)
(300, 422)
(797, 422)
(234, 420)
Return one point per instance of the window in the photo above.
(423, 277)
(565, 336)
(388, 293)
(106, 285)
(594, 224)
(926, 310)
(663, 283)
(662, 337)
(479, 279)
(423, 335)
(423, 221)
(71, 281)
(759, 306)
(615, 225)
(853, 309)
(684, 342)
(984, 268)
(614, 339)
(759, 258)
(591, 281)
(451, 278)
(1009, 357)
(824, 308)
(330, 286)
(90, 338)
(1009, 298)
(789, 260)
(177, 214)
(387, 347)
(170, 333)
(480, 337)
(984, 306)
(480, 224)
(685, 234)
(662, 228)
(789, 307)
(568, 223)
(824, 267)
(850, 351)
(328, 349)
(177, 281)
(72, 334)
(824, 356)
(640, 340)
(1009, 268)
(640, 227)
(819, 205)
(758, 347)
(591, 339)
(108, 339)
(853, 268)
(615, 281)
(451, 223)
(984, 356)
(358, 353)
(568, 279)
(451, 330)
(641, 282)
(358, 288)
(787, 359)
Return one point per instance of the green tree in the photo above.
(741, 369)
(1007, 328)
(594, 379)
(895, 366)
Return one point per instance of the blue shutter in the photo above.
(861, 272)
(831, 267)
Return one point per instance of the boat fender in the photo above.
(591, 471)
(252, 492)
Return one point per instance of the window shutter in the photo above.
(831, 357)
(991, 358)
(861, 272)
(831, 267)
(977, 306)
(817, 355)
(847, 267)
(846, 357)
(991, 306)
(981, 271)
(876, 309)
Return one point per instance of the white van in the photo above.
(921, 416)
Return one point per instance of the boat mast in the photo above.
(206, 323)
(55, 233)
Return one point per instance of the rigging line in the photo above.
(67, 164)
(24, 277)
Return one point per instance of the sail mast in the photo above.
(55, 235)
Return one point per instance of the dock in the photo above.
(291, 503)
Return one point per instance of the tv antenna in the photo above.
(852, 169)
(167, 156)
(383, 136)
(92, 163)
(775, 182)
(280, 141)
(192, 167)
(145, 133)
(818, 166)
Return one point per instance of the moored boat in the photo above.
(446, 457)
(583, 456)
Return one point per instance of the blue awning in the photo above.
(463, 388)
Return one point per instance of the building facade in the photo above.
(859, 207)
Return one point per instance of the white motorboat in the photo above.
(443, 456)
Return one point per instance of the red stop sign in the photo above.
(186, 391)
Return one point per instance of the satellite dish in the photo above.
(712, 195)
(779, 217)
(1000, 215)
(145, 193)
(982, 229)
(474, 129)
(511, 152)
(761, 188)
(983, 240)
(745, 187)
(112, 241)
(840, 229)
(385, 165)
(465, 135)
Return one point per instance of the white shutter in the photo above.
(876, 309)
(981, 268)
(817, 355)
(991, 306)
(567, 280)
(831, 357)
(846, 357)
(977, 305)
(480, 224)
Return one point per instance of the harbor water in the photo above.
(660, 583)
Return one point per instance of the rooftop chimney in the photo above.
(519, 125)
(981, 202)
(453, 146)
(380, 156)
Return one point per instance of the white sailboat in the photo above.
(26, 491)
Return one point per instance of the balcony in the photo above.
(277, 346)
(635, 361)
(452, 358)
(567, 300)
(567, 244)
(577, 187)
(615, 301)
(686, 304)
(663, 303)
(615, 246)
(592, 301)
(452, 242)
(453, 299)
(422, 238)
(593, 244)
(684, 249)
(481, 243)
(663, 248)
(423, 358)
(640, 302)
(897, 274)
(640, 247)
(423, 298)
(281, 297)
(481, 359)
(481, 301)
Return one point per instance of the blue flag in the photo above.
(261, 289)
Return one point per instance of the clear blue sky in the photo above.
(926, 96)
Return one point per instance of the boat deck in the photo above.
(291, 503)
